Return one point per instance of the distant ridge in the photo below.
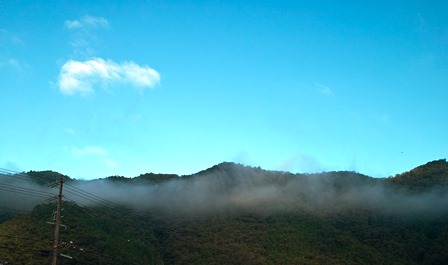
(147, 178)
(421, 177)
(234, 214)
(434, 173)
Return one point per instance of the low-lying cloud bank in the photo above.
(232, 188)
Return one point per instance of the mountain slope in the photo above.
(234, 214)
(424, 177)
(89, 236)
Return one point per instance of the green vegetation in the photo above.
(425, 177)
(147, 178)
(289, 235)
(46, 177)
(91, 236)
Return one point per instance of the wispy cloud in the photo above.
(88, 150)
(8, 37)
(95, 152)
(11, 166)
(80, 76)
(87, 22)
(381, 117)
(111, 163)
(324, 89)
(84, 37)
(71, 132)
(301, 163)
(8, 43)
(18, 41)
(13, 63)
(420, 23)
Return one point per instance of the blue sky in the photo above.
(98, 88)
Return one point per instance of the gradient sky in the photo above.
(98, 88)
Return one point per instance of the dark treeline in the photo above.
(233, 214)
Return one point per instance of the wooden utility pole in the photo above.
(57, 224)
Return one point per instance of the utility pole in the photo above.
(57, 224)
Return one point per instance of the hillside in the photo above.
(89, 236)
(424, 177)
(234, 214)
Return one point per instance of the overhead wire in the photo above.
(73, 190)
(104, 202)
(27, 191)
(24, 176)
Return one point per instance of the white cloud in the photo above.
(7, 37)
(80, 76)
(10, 40)
(11, 62)
(301, 163)
(18, 41)
(324, 89)
(420, 23)
(111, 164)
(10, 165)
(71, 132)
(83, 35)
(381, 117)
(87, 21)
(14, 63)
(88, 150)
(97, 153)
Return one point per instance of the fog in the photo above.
(20, 193)
(233, 188)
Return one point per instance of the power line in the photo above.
(28, 191)
(109, 216)
(71, 189)
(75, 191)
(23, 176)
(96, 199)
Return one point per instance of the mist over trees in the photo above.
(232, 214)
(232, 187)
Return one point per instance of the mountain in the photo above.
(43, 177)
(235, 214)
(147, 178)
(424, 177)
(88, 236)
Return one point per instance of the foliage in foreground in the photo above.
(297, 235)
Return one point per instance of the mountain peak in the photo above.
(223, 166)
(431, 174)
(432, 167)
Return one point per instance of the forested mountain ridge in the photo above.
(424, 177)
(430, 174)
(234, 214)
